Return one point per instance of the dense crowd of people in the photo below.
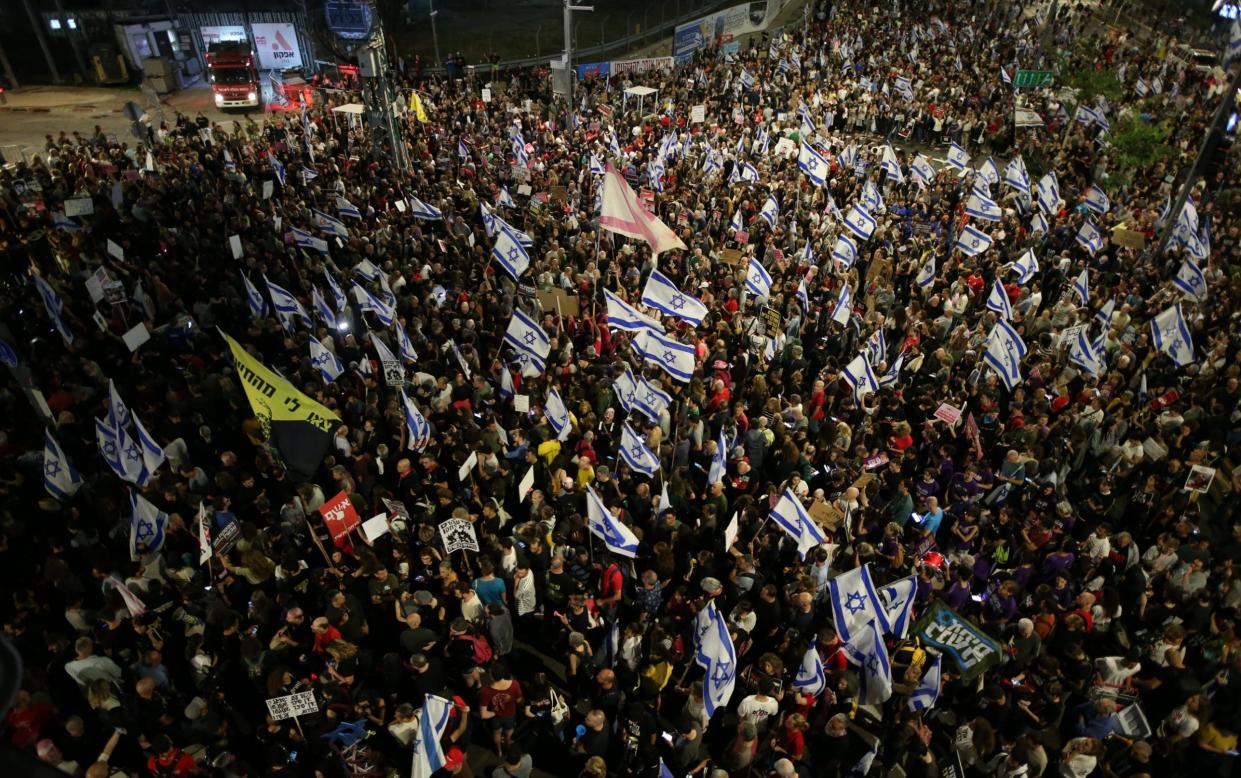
(1082, 515)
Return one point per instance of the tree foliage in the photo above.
(1138, 145)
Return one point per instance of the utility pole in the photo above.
(568, 45)
(434, 37)
(9, 75)
(75, 38)
(1209, 142)
(379, 96)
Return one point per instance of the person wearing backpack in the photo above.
(466, 650)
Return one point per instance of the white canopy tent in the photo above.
(639, 92)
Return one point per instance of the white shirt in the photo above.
(92, 668)
(525, 596)
(757, 711)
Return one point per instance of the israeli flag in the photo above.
(519, 153)
(338, 297)
(926, 275)
(797, 524)
(1192, 242)
(860, 222)
(746, 80)
(146, 527)
(758, 280)
(770, 212)
(635, 452)
(1004, 353)
(998, 301)
(650, 399)
(736, 222)
(719, 461)
(717, 656)
(894, 372)
(859, 375)
(958, 157)
(60, 477)
(1082, 286)
(511, 255)
(811, 679)
(871, 199)
(369, 302)
(506, 199)
(1038, 224)
(415, 424)
(1047, 193)
(1007, 79)
(624, 317)
(427, 748)
(1171, 336)
(255, 300)
(330, 368)
(868, 651)
(675, 359)
(803, 296)
(848, 156)
(844, 306)
(329, 224)
(926, 694)
(749, 173)
(322, 308)
(596, 165)
(288, 309)
(813, 164)
(64, 223)
(1096, 199)
(420, 210)
(1085, 115)
(305, 240)
(1016, 176)
(972, 242)
(276, 167)
(557, 415)
(403, 345)
(1089, 238)
(897, 599)
(229, 164)
(463, 151)
(845, 250)
(876, 347)
(381, 349)
(613, 146)
(855, 603)
(626, 390)
(122, 455)
(982, 207)
(1104, 315)
(1191, 281)
(664, 296)
(346, 208)
(54, 306)
(602, 524)
(922, 170)
(525, 335)
(989, 172)
(1084, 354)
(507, 390)
(1026, 266)
(711, 162)
(891, 167)
(152, 453)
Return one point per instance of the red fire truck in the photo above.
(234, 78)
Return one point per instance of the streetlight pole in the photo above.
(434, 37)
(568, 44)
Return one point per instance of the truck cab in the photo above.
(233, 76)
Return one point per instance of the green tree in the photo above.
(1091, 83)
(1137, 145)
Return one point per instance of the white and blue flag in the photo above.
(1047, 193)
(892, 167)
(146, 526)
(1191, 281)
(616, 536)
(54, 307)
(1089, 238)
(958, 157)
(922, 170)
(404, 346)
(1085, 355)
(122, 455)
(321, 307)
(1026, 266)
(718, 658)
(758, 280)
(329, 366)
(989, 172)
(509, 252)
(650, 399)
(719, 460)
(346, 208)
(746, 79)
(626, 390)
(338, 297)
(926, 693)
(674, 358)
(797, 524)
(415, 424)
(369, 302)
(972, 242)
(859, 375)
(855, 603)
(1016, 175)
(982, 207)
(770, 212)
(664, 296)
(525, 335)
(897, 599)
(998, 301)
(276, 167)
(749, 173)
(1038, 224)
(288, 310)
(1171, 336)
(876, 347)
(557, 414)
(426, 746)
(868, 650)
(60, 477)
(1104, 314)
(329, 224)
(623, 316)
(305, 240)
(152, 453)
(1082, 286)
(420, 210)
(635, 452)
(811, 679)
(860, 222)
(813, 164)
(845, 250)
(1096, 199)
(844, 305)
(871, 200)
(926, 274)
(254, 299)
(506, 199)
(1004, 353)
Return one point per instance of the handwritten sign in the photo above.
(948, 414)
(698, 114)
(458, 535)
(81, 206)
(340, 518)
(292, 705)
